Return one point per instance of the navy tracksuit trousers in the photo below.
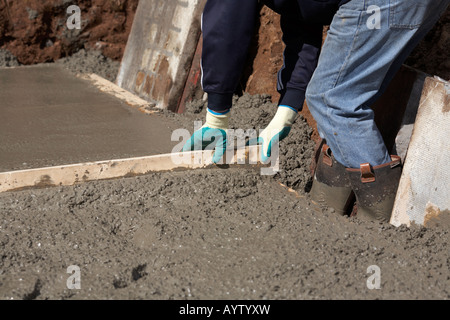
(228, 27)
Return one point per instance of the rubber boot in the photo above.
(331, 187)
(375, 189)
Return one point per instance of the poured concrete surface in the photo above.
(211, 234)
(49, 117)
(206, 234)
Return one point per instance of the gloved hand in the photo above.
(212, 134)
(277, 130)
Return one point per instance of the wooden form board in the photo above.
(84, 172)
(122, 94)
(160, 49)
(423, 195)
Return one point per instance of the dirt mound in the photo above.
(35, 31)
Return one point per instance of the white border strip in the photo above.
(68, 175)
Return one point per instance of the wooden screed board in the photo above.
(423, 196)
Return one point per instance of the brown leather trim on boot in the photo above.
(327, 156)
(316, 157)
(375, 199)
(396, 161)
(367, 174)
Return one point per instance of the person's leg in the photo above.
(357, 61)
(228, 27)
(425, 27)
(356, 65)
(303, 42)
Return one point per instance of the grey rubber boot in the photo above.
(331, 186)
(375, 189)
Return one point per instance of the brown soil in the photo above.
(35, 31)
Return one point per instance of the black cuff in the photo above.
(293, 98)
(220, 102)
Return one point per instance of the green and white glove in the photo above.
(213, 134)
(277, 130)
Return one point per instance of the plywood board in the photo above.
(160, 49)
(423, 196)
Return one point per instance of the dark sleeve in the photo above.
(303, 43)
(228, 27)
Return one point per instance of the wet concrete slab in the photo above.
(50, 117)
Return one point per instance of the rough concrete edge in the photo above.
(400, 214)
(68, 175)
(113, 89)
(7, 68)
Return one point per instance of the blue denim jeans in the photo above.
(366, 45)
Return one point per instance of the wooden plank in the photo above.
(423, 195)
(118, 92)
(160, 49)
(79, 173)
